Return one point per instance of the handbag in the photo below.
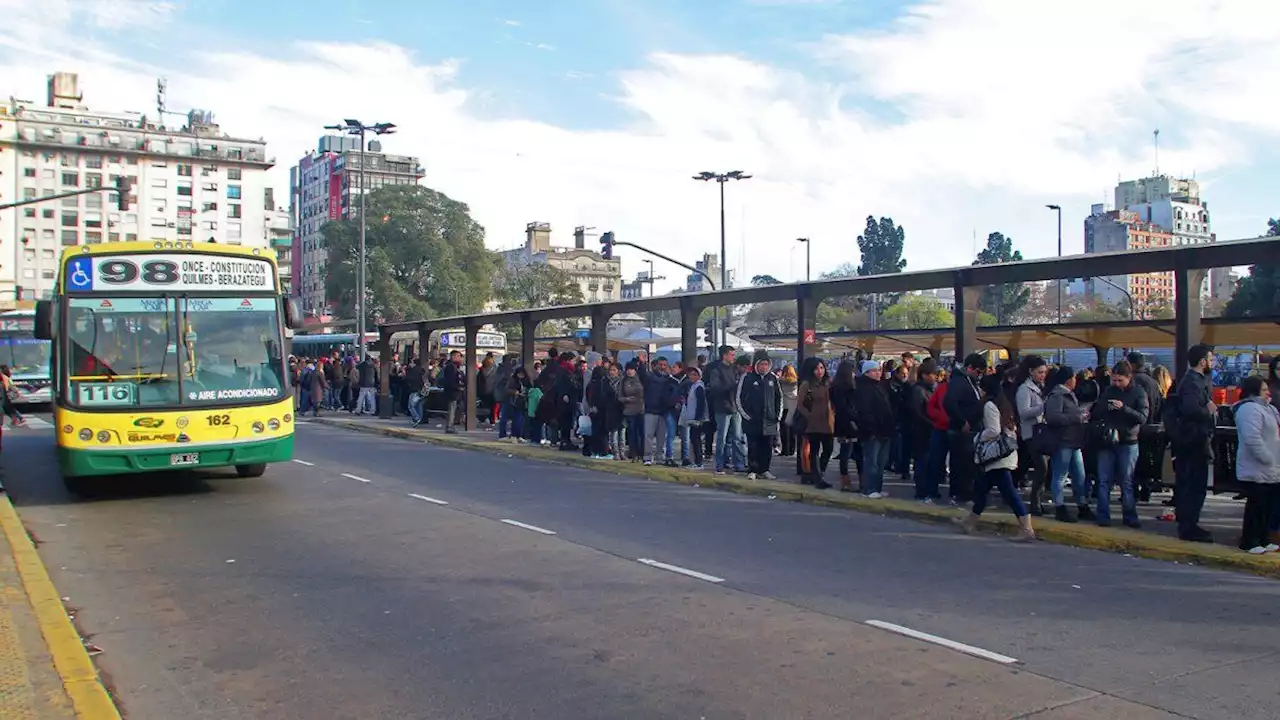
(1042, 439)
(986, 452)
(584, 425)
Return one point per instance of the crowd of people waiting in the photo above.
(1024, 426)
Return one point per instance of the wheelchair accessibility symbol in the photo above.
(80, 274)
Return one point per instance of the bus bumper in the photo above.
(78, 463)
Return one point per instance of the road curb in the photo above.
(80, 679)
(1091, 537)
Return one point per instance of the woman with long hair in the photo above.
(845, 408)
(1028, 400)
(816, 420)
(997, 443)
(790, 382)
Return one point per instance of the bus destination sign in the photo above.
(172, 271)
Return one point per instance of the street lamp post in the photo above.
(1058, 208)
(808, 257)
(359, 129)
(722, 178)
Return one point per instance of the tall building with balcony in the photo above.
(278, 234)
(325, 185)
(1175, 205)
(193, 183)
(1118, 230)
(599, 279)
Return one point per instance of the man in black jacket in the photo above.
(1142, 378)
(1195, 419)
(1121, 410)
(963, 403)
(722, 383)
(453, 383)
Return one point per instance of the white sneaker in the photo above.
(1272, 547)
(751, 476)
(875, 496)
(769, 476)
(1258, 550)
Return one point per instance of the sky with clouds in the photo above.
(955, 117)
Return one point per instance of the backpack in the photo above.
(935, 409)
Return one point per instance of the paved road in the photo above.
(327, 590)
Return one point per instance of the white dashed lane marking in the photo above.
(683, 571)
(356, 477)
(951, 644)
(534, 528)
(428, 499)
(304, 462)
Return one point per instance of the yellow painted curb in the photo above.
(79, 676)
(1092, 537)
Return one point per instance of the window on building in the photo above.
(130, 237)
(70, 160)
(93, 180)
(71, 179)
(159, 183)
(233, 173)
(233, 210)
(29, 212)
(29, 255)
(159, 222)
(93, 237)
(113, 237)
(70, 202)
(47, 274)
(209, 225)
(233, 192)
(47, 213)
(46, 235)
(184, 170)
(70, 219)
(28, 172)
(233, 231)
(93, 220)
(209, 187)
(70, 237)
(184, 188)
(93, 161)
(47, 173)
(93, 200)
(28, 234)
(209, 207)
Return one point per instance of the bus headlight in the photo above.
(104, 436)
(258, 426)
(273, 424)
(86, 434)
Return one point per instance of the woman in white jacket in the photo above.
(1258, 462)
(999, 429)
(1029, 402)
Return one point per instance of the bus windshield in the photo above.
(27, 357)
(156, 352)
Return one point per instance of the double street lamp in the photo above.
(808, 257)
(722, 178)
(1058, 208)
(359, 129)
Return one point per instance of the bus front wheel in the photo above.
(251, 471)
(77, 485)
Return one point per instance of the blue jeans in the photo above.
(415, 407)
(1002, 480)
(672, 428)
(929, 477)
(1116, 463)
(729, 430)
(1068, 460)
(508, 415)
(875, 455)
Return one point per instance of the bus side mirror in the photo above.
(43, 329)
(292, 314)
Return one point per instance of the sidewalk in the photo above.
(45, 673)
(1156, 540)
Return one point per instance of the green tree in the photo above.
(762, 280)
(916, 312)
(880, 247)
(517, 287)
(1258, 293)
(425, 257)
(1003, 301)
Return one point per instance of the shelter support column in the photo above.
(528, 334)
(599, 329)
(1187, 283)
(688, 332)
(384, 373)
(806, 316)
(966, 316)
(469, 362)
(424, 342)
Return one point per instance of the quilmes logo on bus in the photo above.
(148, 422)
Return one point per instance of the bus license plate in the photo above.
(184, 459)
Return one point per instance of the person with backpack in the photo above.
(1190, 419)
(996, 455)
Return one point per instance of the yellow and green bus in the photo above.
(168, 356)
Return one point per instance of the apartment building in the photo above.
(193, 183)
(600, 279)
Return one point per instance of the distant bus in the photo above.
(440, 342)
(27, 357)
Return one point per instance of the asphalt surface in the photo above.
(310, 593)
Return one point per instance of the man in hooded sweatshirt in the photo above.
(759, 403)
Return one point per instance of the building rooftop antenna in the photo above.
(1156, 140)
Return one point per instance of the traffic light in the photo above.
(123, 188)
(606, 245)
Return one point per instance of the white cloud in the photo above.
(512, 23)
(965, 116)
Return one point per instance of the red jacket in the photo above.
(937, 413)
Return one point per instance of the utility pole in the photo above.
(359, 129)
(722, 178)
(808, 258)
(650, 278)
